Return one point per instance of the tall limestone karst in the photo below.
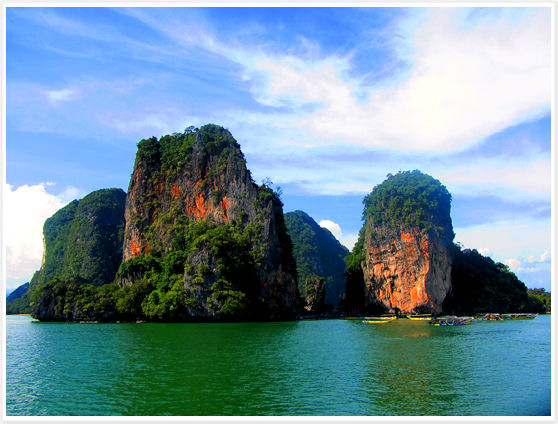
(317, 254)
(82, 244)
(202, 236)
(405, 248)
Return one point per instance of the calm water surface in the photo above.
(329, 367)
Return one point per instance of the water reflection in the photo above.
(418, 367)
(208, 369)
(335, 367)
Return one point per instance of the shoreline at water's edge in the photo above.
(297, 318)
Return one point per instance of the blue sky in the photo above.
(324, 101)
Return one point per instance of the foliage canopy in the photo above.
(410, 199)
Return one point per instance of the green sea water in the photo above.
(327, 367)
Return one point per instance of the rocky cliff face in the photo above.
(407, 250)
(191, 196)
(407, 271)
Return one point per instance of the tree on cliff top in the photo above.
(410, 199)
(172, 151)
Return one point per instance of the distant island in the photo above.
(196, 239)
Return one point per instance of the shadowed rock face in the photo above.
(406, 271)
(202, 176)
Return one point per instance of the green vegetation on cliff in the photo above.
(18, 301)
(315, 293)
(172, 282)
(56, 233)
(83, 240)
(542, 296)
(317, 254)
(410, 199)
(202, 242)
(172, 152)
(479, 285)
(68, 299)
(353, 300)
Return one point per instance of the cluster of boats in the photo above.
(449, 320)
(506, 317)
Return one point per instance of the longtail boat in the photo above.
(379, 320)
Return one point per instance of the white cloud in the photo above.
(529, 270)
(514, 264)
(150, 122)
(464, 85)
(331, 226)
(531, 259)
(26, 209)
(55, 97)
(508, 240)
(71, 193)
(544, 257)
(527, 176)
(484, 251)
(333, 171)
(466, 80)
(347, 240)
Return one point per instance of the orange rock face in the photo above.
(406, 271)
(209, 182)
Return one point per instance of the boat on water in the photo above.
(442, 323)
(420, 317)
(506, 317)
(492, 317)
(451, 321)
(519, 316)
(379, 320)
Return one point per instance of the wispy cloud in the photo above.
(464, 85)
(345, 170)
(528, 176)
(517, 266)
(517, 239)
(468, 79)
(154, 121)
(55, 97)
